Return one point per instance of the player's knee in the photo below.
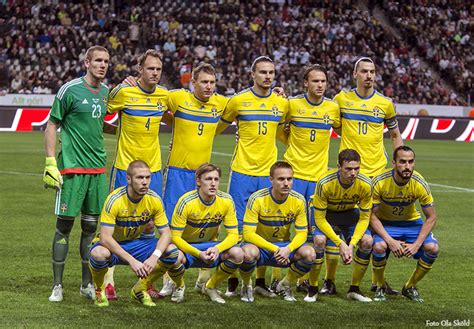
(236, 254)
(319, 241)
(307, 253)
(251, 253)
(366, 242)
(89, 223)
(100, 253)
(64, 225)
(431, 248)
(380, 247)
(170, 256)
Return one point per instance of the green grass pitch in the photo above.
(27, 226)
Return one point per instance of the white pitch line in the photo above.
(453, 187)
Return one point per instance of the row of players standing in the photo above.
(197, 116)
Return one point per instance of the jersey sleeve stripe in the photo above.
(161, 227)
(422, 182)
(115, 91)
(107, 224)
(65, 87)
(114, 198)
(250, 224)
(177, 228)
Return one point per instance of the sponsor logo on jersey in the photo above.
(363, 106)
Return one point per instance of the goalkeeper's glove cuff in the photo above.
(51, 161)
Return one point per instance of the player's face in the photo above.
(365, 75)
(264, 75)
(208, 184)
(348, 171)
(282, 181)
(204, 85)
(139, 181)
(316, 83)
(98, 64)
(404, 164)
(150, 72)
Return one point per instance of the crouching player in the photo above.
(126, 213)
(342, 204)
(398, 224)
(268, 219)
(195, 227)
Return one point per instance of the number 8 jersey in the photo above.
(363, 120)
(80, 110)
(140, 114)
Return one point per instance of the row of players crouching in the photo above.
(191, 240)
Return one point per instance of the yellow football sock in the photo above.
(223, 271)
(332, 259)
(109, 276)
(360, 264)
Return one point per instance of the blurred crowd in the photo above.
(42, 44)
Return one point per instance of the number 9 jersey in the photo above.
(363, 120)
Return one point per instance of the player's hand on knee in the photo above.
(205, 257)
(213, 253)
(150, 264)
(346, 253)
(138, 268)
(396, 247)
(131, 81)
(52, 177)
(410, 249)
(282, 255)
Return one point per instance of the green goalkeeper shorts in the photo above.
(81, 193)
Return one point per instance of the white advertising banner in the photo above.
(25, 100)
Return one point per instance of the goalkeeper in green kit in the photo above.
(78, 175)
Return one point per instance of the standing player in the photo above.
(195, 228)
(195, 118)
(258, 112)
(398, 224)
(127, 212)
(364, 113)
(141, 109)
(342, 202)
(267, 224)
(79, 109)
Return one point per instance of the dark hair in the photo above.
(149, 52)
(362, 59)
(260, 59)
(205, 168)
(280, 165)
(348, 155)
(93, 49)
(402, 148)
(136, 164)
(203, 67)
(314, 67)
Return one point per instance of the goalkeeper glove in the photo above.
(52, 177)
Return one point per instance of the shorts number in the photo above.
(262, 128)
(96, 111)
(202, 233)
(147, 124)
(363, 126)
(398, 211)
(200, 129)
(275, 234)
(341, 206)
(312, 135)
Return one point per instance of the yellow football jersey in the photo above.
(257, 122)
(397, 203)
(271, 220)
(140, 114)
(331, 195)
(310, 134)
(362, 126)
(129, 217)
(194, 127)
(196, 221)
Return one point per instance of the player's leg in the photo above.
(251, 257)
(230, 262)
(360, 263)
(379, 261)
(301, 262)
(319, 245)
(94, 199)
(67, 206)
(99, 260)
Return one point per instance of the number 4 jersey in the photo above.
(363, 120)
(80, 110)
(140, 115)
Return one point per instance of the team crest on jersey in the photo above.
(160, 106)
(104, 99)
(356, 197)
(246, 104)
(326, 119)
(145, 216)
(214, 112)
(363, 106)
(377, 111)
(64, 207)
(95, 100)
(218, 216)
(290, 216)
(275, 110)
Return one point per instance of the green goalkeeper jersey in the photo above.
(80, 110)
